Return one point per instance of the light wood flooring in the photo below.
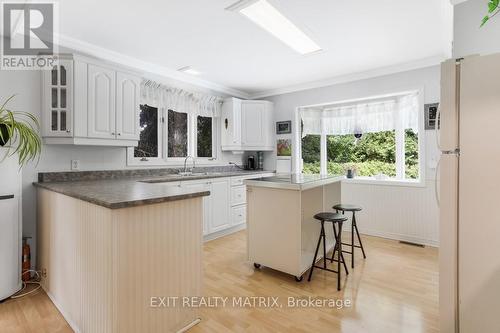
(394, 290)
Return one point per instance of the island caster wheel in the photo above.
(256, 265)
(298, 278)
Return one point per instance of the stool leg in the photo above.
(352, 240)
(357, 233)
(335, 250)
(336, 240)
(339, 248)
(315, 254)
(324, 245)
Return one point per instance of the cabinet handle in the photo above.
(119, 134)
(68, 131)
(113, 133)
(7, 197)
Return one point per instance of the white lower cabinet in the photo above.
(219, 202)
(224, 210)
(238, 214)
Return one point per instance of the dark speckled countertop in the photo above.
(135, 191)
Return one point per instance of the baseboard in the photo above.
(224, 232)
(63, 313)
(397, 237)
(189, 326)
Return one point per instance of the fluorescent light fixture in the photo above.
(270, 19)
(189, 70)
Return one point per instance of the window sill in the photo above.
(176, 162)
(385, 182)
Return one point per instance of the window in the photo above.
(373, 154)
(204, 139)
(148, 137)
(378, 137)
(177, 140)
(311, 152)
(168, 136)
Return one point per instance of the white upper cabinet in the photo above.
(89, 102)
(127, 114)
(101, 102)
(57, 85)
(247, 125)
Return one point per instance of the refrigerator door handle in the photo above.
(436, 188)
(437, 126)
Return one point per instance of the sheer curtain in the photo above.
(179, 100)
(384, 114)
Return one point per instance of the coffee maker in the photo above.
(251, 163)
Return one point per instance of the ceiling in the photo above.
(232, 52)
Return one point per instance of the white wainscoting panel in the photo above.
(395, 212)
(103, 266)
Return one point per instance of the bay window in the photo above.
(379, 138)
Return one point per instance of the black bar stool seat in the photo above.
(334, 218)
(347, 208)
(354, 229)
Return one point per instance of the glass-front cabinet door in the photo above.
(58, 84)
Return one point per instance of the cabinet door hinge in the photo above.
(163, 119)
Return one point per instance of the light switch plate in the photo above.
(75, 165)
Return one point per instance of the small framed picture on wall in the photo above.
(284, 147)
(284, 127)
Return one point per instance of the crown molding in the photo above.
(146, 67)
(427, 62)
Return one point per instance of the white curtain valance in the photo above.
(363, 117)
(179, 100)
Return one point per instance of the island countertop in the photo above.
(298, 182)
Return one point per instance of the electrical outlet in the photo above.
(44, 273)
(75, 164)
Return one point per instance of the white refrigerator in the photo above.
(10, 225)
(469, 195)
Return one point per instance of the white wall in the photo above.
(469, 38)
(407, 213)
(26, 85)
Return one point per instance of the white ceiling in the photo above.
(229, 50)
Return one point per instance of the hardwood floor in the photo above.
(394, 290)
(33, 313)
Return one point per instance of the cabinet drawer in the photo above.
(239, 214)
(238, 195)
(237, 181)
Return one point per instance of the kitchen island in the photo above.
(282, 233)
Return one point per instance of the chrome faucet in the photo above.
(185, 163)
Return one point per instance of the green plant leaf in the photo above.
(23, 129)
(492, 6)
(485, 19)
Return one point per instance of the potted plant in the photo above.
(351, 169)
(19, 134)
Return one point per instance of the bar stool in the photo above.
(334, 218)
(354, 228)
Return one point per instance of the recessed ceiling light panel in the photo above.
(189, 70)
(270, 19)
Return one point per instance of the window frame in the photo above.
(400, 179)
(163, 159)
